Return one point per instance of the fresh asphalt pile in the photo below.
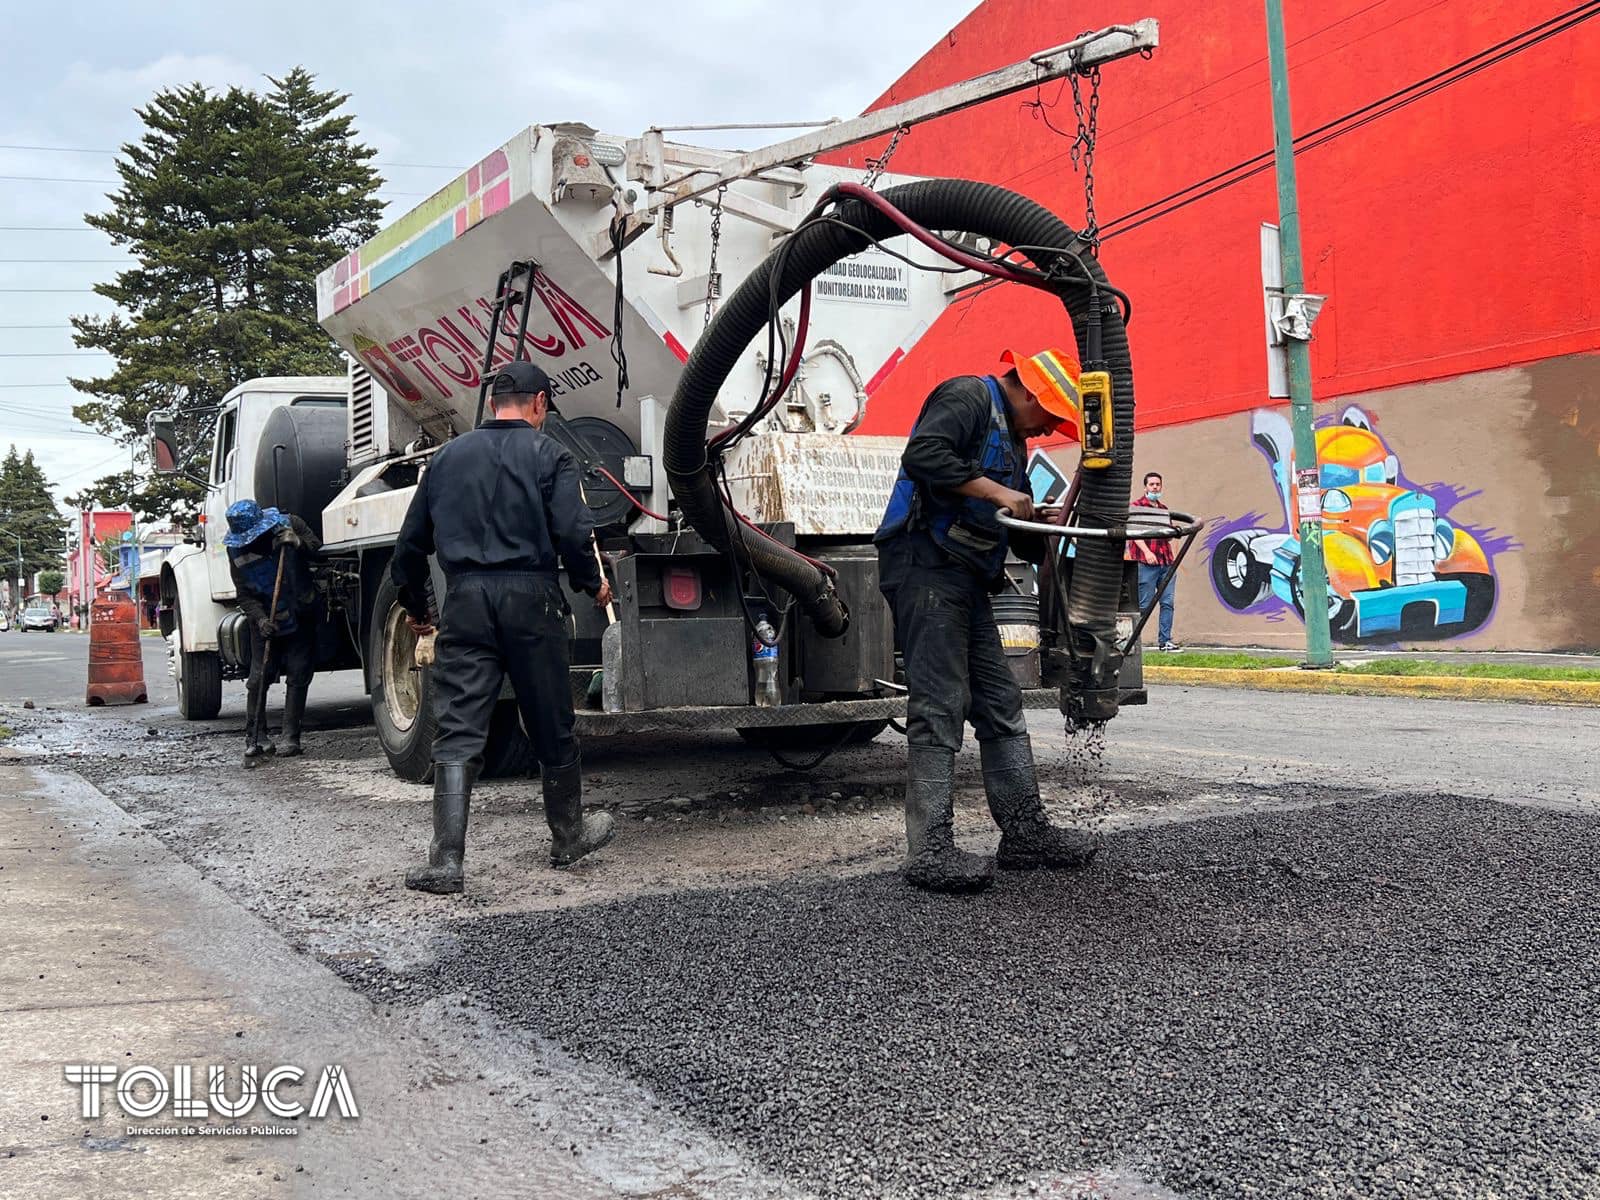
(1388, 997)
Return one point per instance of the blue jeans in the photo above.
(1149, 579)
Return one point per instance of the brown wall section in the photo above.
(1511, 457)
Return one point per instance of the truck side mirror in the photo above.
(163, 430)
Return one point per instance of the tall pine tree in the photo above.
(29, 522)
(232, 203)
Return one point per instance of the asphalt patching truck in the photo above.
(713, 425)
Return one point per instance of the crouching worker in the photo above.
(501, 508)
(269, 555)
(941, 554)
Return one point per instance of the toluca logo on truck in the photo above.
(444, 356)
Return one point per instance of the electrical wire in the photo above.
(629, 496)
(619, 356)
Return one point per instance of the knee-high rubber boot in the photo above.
(253, 749)
(932, 860)
(452, 791)
(1027, 839)
(573, 832)
(294, 712)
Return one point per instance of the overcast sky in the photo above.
(432, 86)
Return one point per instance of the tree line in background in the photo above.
(30, 523)
(232, 203)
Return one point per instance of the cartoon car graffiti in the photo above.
(1396, 568)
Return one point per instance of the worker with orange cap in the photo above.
(941, 554)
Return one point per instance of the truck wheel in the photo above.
(1239, 577)
(402, 696)
(813, 737)
(508, 750)
(199, 678)
(1341, 611)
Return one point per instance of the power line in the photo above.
(69, 260)
(70, 291)
(56, 179)
(1349, 122)
(62, 354)
(114, 153)
(118, 183)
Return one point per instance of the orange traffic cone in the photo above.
(116, 663)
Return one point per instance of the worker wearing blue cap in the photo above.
(269, 555)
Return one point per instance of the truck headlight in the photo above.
(1380, 540)
(1444, 539)
(1336, 501)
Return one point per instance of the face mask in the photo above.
(1153, 493)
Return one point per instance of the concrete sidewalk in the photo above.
(118, 953)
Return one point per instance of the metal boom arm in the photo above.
(1091, 49)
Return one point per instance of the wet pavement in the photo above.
(1333, 946)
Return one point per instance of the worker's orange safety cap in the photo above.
(1051, 376)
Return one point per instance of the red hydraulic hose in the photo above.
(791, 368)
(629, 496)
(984, 266)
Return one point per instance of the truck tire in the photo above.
(1341, 610)
(402, 694)
(813, 737)
(1239, 577)
(199, 677)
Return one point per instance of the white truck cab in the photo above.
(240, 420)
(196, 586)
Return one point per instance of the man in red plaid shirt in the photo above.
(1155, 559)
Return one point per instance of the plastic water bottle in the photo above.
(765, 659)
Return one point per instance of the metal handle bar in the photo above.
(1183, 525)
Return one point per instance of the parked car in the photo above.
(38, 616)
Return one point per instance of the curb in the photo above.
(1448, 687)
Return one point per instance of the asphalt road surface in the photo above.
(1332, 946)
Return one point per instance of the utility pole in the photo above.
(1305, 488)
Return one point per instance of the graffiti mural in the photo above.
(1398, 567)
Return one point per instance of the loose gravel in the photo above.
(1390, 997)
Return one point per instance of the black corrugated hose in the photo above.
(949, 206)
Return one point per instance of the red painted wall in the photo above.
(1460, 233)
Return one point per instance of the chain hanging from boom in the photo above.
(714, 276)
(1083, 144)
(876, 166)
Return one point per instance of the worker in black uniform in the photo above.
(269, 553)
(502, 509)
(941, 554)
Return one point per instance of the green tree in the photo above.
(27, 512)
(232, 203)
(51, 583)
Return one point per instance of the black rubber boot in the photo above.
(294, 712)
(932, 860)
(573, 832)
(253, 749)
(1027, 839)
(443, 874)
